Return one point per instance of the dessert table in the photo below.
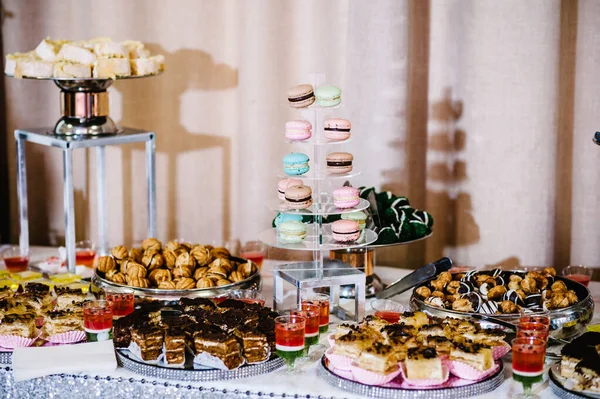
(304, 383)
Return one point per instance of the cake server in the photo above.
(417, 277)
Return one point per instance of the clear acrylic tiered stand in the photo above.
(320, 273)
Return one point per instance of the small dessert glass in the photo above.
(85, 253)
(248, 296)
(97, 320)
(312, 313)
(254, 251)
(528, 356)
(581, 274)
(323, 301)
(14, 259)
(535, 317)
(536, 330)
(289, 338)
(388, 310)
(121, 302)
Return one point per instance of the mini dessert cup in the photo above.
(387, 309)
(372, 378)
(15, 259)
(248, 296)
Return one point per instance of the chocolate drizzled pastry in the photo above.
(379, 358)
(61, 321)
(232, 304)
(191, 304)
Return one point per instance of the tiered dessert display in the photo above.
(83, 71)
(315, 203)
(504, 294)
(198, 340)
(416, 357)
(176, 269)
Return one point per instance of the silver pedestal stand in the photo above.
(85, 123)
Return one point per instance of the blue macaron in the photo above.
(295, 164)
(328, 96)
(286, 217)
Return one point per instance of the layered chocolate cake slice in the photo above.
(150, 340)
(187, 305)
(22, 325)
(122, 332)
(571, 354)
(221, 345)
(61, 321)
(255, 345)
(175, 345)
(587, 372)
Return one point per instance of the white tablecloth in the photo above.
(307, 382)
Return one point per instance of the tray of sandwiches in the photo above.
(86, 60)
(416, 357)
(174, 270)
(505, 294)
(578, 373)
(198, 339)
(37, 314)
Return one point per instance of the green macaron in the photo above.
(292, 232)
(358, 216)
(328, 96)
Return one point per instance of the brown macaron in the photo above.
(301, 96)
(298, 197)
(339, 162)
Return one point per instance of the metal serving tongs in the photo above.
(415, 278)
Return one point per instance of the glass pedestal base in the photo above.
(333, 275)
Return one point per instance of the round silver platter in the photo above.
(128, 361)
(475, 388)
(565, 323)
(253, 283)
(556, 383)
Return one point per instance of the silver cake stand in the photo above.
(84, 123)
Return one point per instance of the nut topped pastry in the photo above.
(379, 358)
(22, 325)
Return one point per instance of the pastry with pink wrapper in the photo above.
(468, 372)
(346, 197)
(68, 337)
(340, 362)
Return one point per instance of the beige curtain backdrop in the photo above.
(481, 112)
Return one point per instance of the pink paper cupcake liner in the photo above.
(338, 361)
(500, 350)
(69, 337)
(331, 339)
(371, 378)
(347, 374)
(467, 372)
(428, 382)
(14, 341)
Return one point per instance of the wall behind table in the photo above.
(453, 103)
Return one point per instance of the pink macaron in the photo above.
(284, 184)
(337, 129)
(345, 230)
(345, 197)
(298, 130)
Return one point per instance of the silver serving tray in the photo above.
(130, 363)
(564, 323)
(253, 282)
(475, 388)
